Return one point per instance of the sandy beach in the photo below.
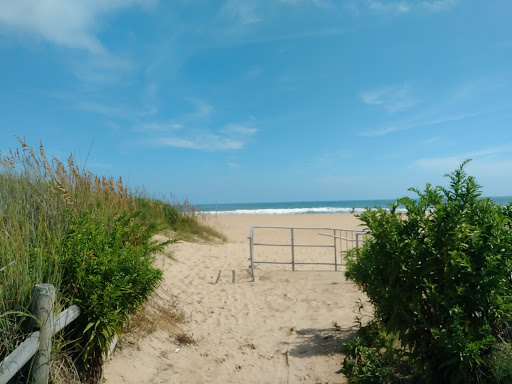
(277, 329)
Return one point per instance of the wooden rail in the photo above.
(38, 344)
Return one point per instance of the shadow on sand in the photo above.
(319, 342)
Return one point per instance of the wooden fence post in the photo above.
(42, 308)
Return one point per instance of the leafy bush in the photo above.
(499, 363)
(109, 274)
(440, 276)
(374, 356)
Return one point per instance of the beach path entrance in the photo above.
(277, 330)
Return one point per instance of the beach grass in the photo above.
(43, 204)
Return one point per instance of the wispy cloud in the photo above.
(157, 127)
(467, 101)
(203, 110)
(503, 44)
(297, 35)
(194, 131)
(392, 98)
(494, 159)
(72, 24)
(240, 12)
(420, 121)
(286, 83)
(338, 155)
(437, 5)
(68, 23)
(392, 6)
(317, 3)
(432, 140)
(207, 142)
(101, 109)
(238, 129)
(406, 6)
(224, 139)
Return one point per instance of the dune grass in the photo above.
(60, 224)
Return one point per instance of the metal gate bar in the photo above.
(352, 232)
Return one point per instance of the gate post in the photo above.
(42, 308)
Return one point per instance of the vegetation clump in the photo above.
(90, 237)
(440, 280)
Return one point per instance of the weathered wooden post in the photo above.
(42, 308)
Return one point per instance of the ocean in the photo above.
(307, 207)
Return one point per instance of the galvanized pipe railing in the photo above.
(293, 245)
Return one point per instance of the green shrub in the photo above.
(109, 274)
(499, 363)
(439, 276)
(374, 356)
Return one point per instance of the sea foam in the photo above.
(290, 211)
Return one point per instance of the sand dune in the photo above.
(277, 329)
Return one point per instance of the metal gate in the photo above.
(343, 240)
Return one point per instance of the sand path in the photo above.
(275, 330)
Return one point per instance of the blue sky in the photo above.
(269, 100)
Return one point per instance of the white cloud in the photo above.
(437, 5)
(149, 111)
(101, 70)
(101, 109)
(70, 23)
(238, 129)
(432, 140)
(193, 131)
(203, 110)
(503, 44)
(207, 142)
(232, 136)
(485, 161)
(419, 122)
(152, 90)
(480, 168)
(394, 6)
(461, 103)
(158, 127)
(317, 3)
(406, 6)
(439, 164)
(240, 12)
(286, 83)
(391, 98)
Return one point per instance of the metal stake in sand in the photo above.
(251, 249)
(335, 252)
(43, 299)
(293, 252)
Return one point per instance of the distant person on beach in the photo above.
(353, 210)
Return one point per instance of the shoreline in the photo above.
(236, 226)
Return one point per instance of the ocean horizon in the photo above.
(307, 207)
